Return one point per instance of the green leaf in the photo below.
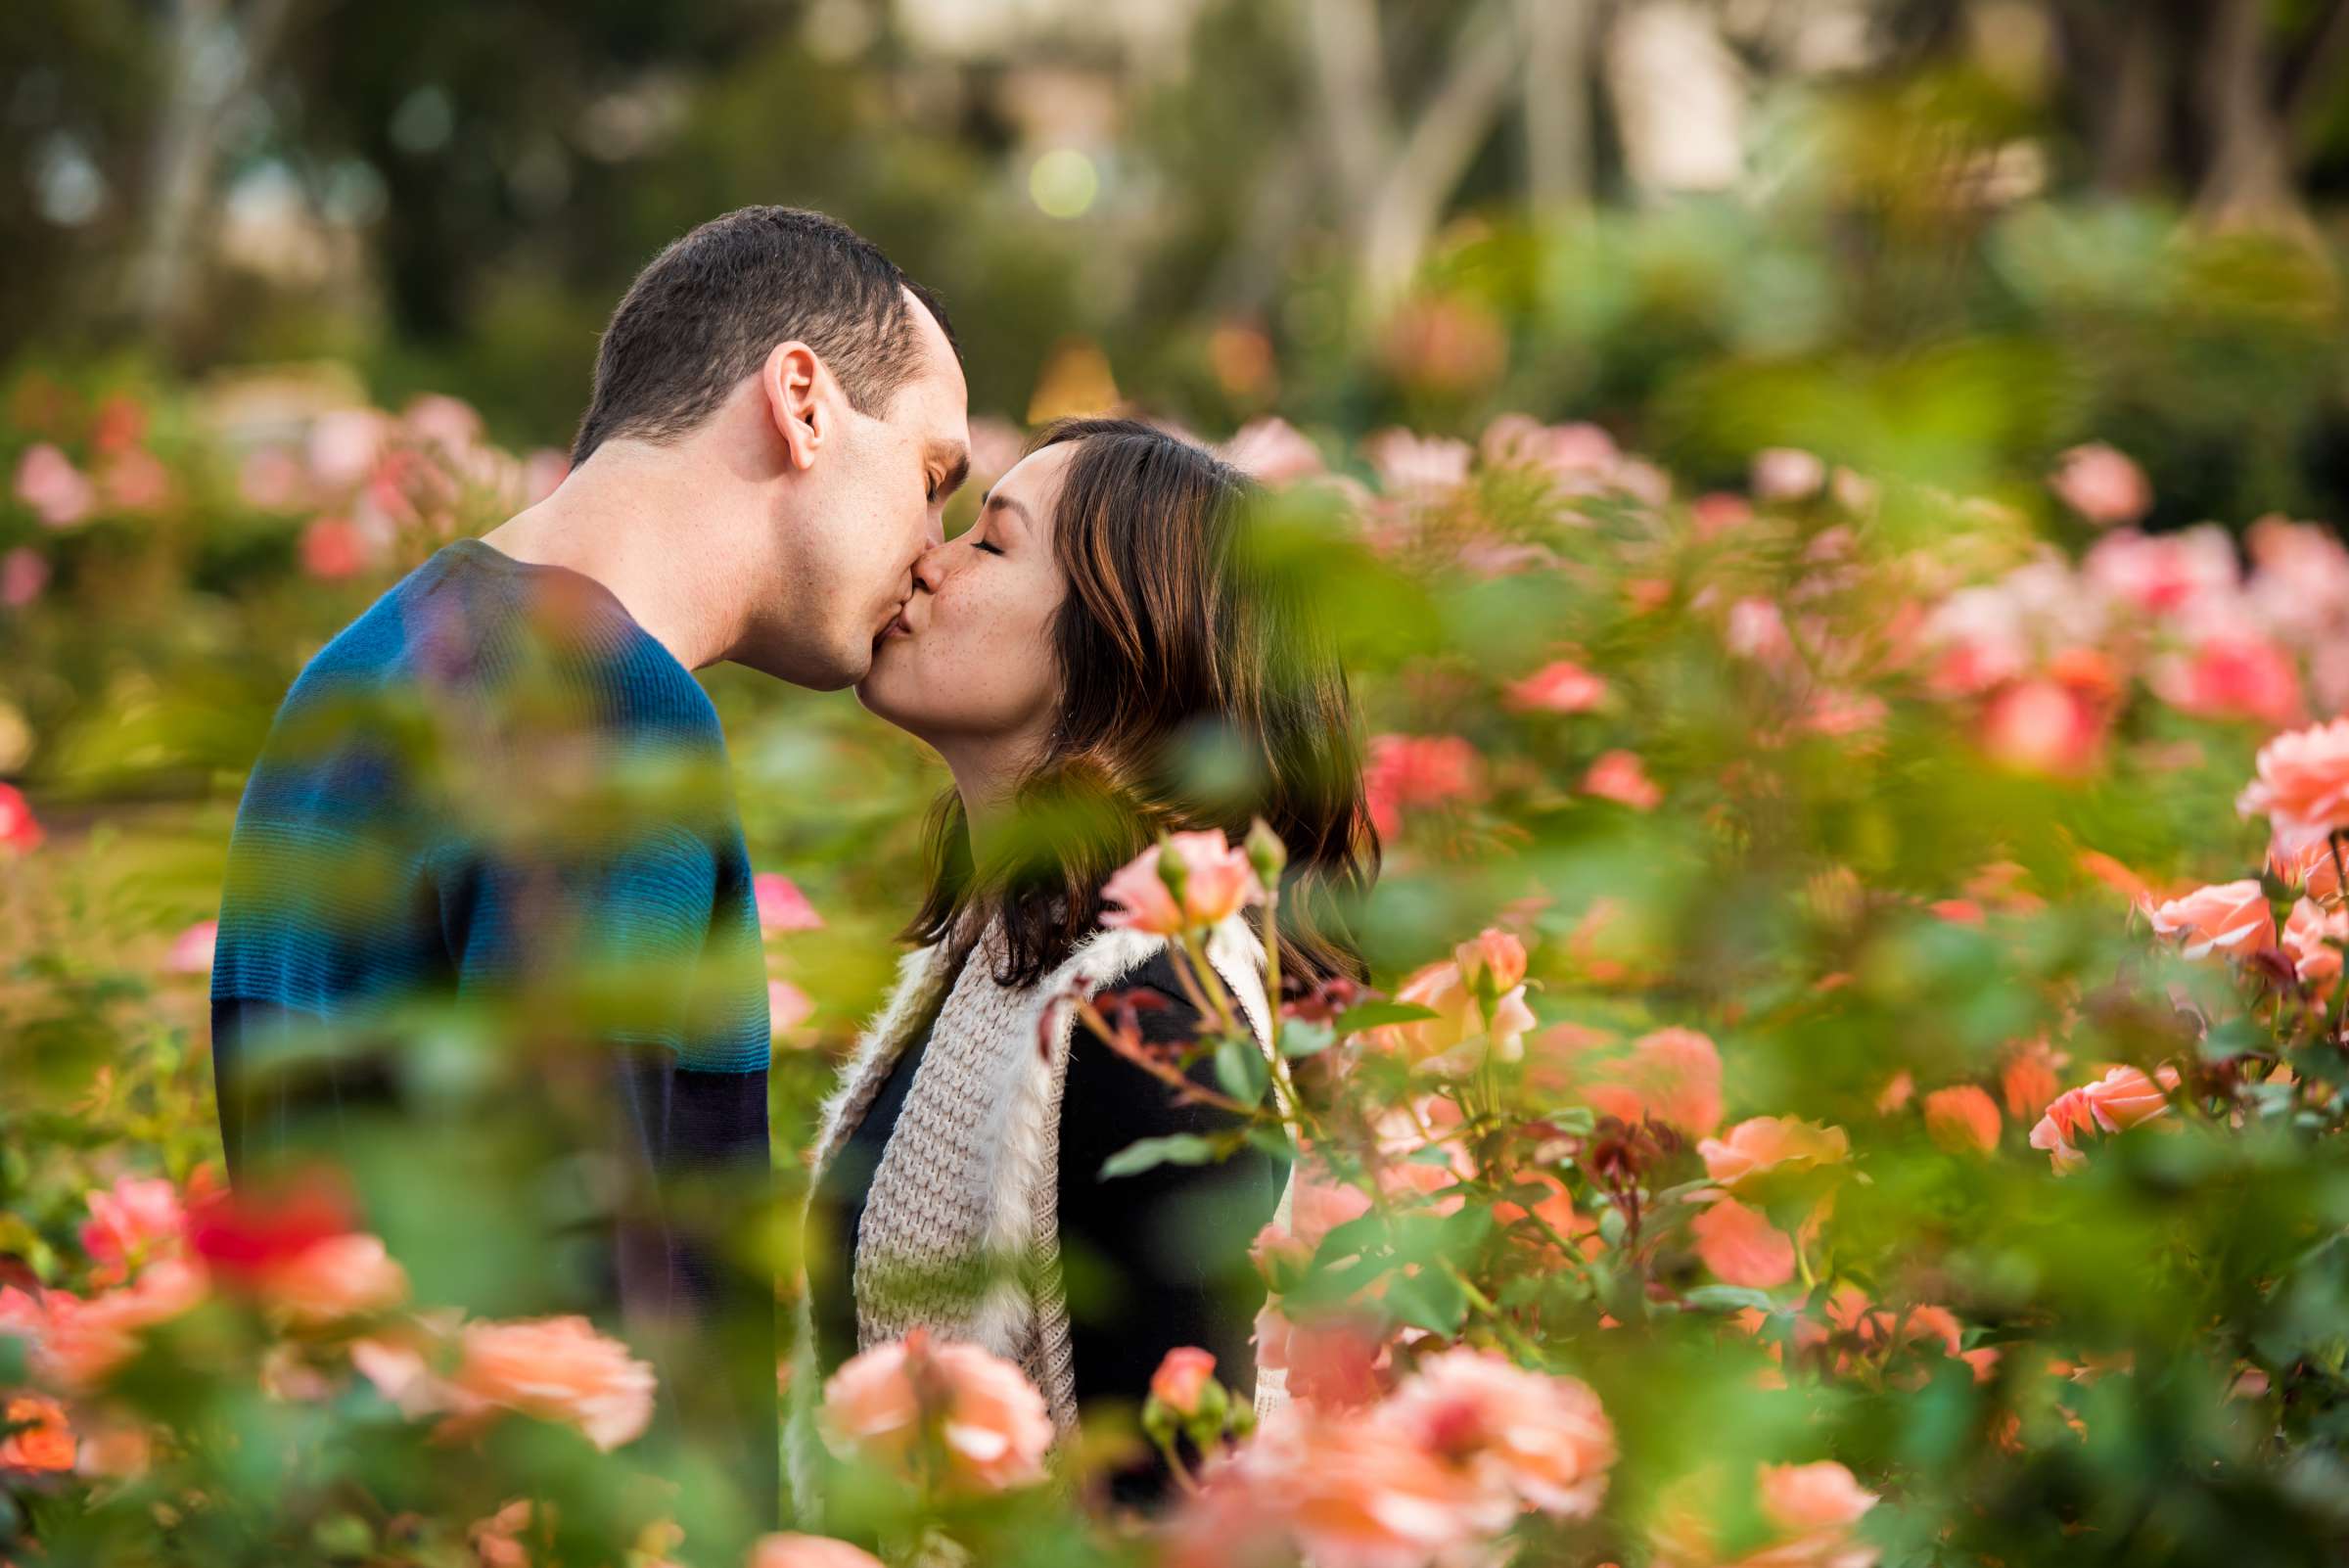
(1181, 1148)
(1300, 1038)
(1379, 1014)
(1430, 1299)
(1241, 1068)
(1725, 1298)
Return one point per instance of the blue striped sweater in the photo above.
(494, 809)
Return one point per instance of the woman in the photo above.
(1097, 663)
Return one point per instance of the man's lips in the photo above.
(897, 628)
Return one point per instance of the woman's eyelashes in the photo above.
(982, 544)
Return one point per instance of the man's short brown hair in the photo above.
(710, 308)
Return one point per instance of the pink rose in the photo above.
(1362, 1494)
(23, 576)
(2101, 485)
(787, 1550)
(1617, 775)
(1418, 469)
(1741, 1247)
(1675, 1075)
(1786, 473)
(20, 830)
(1767, 1144)
(1182, 1375)
(59, 494)
(1560, 687)
(1218, 882)
(2309, 867)
(132, 1221)
(1533, 1440)
(1273, 451)
(786, 1006)
(1962, 1118)
(342, 1277)
(2121, 1100)
(2231, 919)
(2235, 674)
(1460, 1019)
(2301, 783)
(556, 1369)
(991, 1423)
(2027, 1078)
(1405, 774)
(782, 906)
(1800, 1498)
(191, 952)
(2044, 727)
(2317, 962)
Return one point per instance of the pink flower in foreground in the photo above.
(2309, 867)
(2044, 727)
(2102, 484)
(782, 906)
(1358, 1493)
(1182, 1375)
(1800, 1498)
(2231, 919)
(787, 1550)
(1962, 1118)
(556, 1369)
(1617, 775)
(1672, 1075)
(342, 1277)
(2236, 674)
(1412, 773)
(20, 830)
(1534, 1440)
(74, 1344)
(2301, 783)
(991, 1424)
(59, 494)
(1218, 882)
(1491, 952)
(1766, 1144)
(135, 1218)
(2121, 1100)
(1740, 1246)
(1459, 1018)
(2315, 959)
(1561, 687)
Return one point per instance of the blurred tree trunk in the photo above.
(1557, 102)
(2250, 182)
(214, 56)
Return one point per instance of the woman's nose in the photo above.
(930, 567)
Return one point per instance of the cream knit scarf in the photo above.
(960, 1231)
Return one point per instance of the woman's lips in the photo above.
(896, 628)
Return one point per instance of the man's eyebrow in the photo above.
(957, 460)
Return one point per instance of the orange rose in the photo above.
(1741, 1247)
(43, 1440)
(556, 1369)
(342, 1277)
(1962, 1118)
(2315, 960)
(1800, 1498)
(2301, 783)
(2028, 1079)
(2231, 919)
(1182, 1375)
(2121, 1100)
(1363, 1494)
(1766, 1144)
(1539, 1440)
(993, 1423)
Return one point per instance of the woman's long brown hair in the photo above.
(1172, 647)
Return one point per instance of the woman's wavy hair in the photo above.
(1198, 690)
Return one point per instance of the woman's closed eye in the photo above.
(982, 544)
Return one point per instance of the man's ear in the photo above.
(796, 385)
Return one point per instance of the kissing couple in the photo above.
(489, 943)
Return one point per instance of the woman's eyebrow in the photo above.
(991, 500)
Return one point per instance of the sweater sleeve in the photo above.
(1160, 1259)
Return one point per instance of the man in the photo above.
(495, 811)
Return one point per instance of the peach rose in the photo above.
(2044, 727)
(993, 1423)
(1217, 883)
(1414, 772)
(787, 1550)
(1561, 687)
(1540, 1440)
(1741, 1247)
(342, 1277)
(1962, 1118)
(75, 1343)
(1800, 1498)
(1494, 952)
(2231, 919)
(2315, 960)
(43, 1440)
(2027, 1078)
(1672, 1075)
(1182, 1376)
(2121, 1100)
(2301, 783)
(1765, 1144)
(1363, 1493)
(2102, 484)
(1460, 1021)
(556, 1369)
(2309, 867)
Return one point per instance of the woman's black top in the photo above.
(1149, 1261)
